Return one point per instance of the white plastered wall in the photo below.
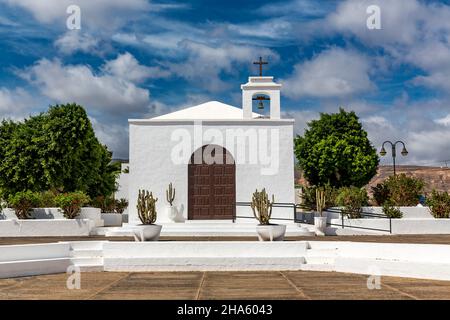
(152, 167)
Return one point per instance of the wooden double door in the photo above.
(211, 184)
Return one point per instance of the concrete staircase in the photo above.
(319, 258)
(209, 229)
(87, 255)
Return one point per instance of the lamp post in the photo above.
(394, 151)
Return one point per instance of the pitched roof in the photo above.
(206, 111)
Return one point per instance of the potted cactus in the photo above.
(171, 211)
(146, 207)
(320, 220)
(262, 210)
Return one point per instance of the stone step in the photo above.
(325, 252)
(91, 268)
(147, 264)
(22, 268)
(86, 253)
(86, 245)
(89, 261)
(320, 260)
(206, 229)
(317, 267)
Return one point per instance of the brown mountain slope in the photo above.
(434, 177)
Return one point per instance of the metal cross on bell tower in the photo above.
(260, 62)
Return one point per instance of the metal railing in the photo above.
(275, 205)
(332, 210)
(363, 215)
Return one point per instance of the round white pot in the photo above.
(271, 232)
(171, 213)
(320, 223)
(112, 219)
(147, 232)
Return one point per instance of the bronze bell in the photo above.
(260, 105)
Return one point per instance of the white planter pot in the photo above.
(171, 213)
(271, 232)
(320, 223)
(112, 219)
(94, 214)
(147, 232)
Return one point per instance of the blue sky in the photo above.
(141, 58)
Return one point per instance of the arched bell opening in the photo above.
(261, 104)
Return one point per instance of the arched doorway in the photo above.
(211, 184)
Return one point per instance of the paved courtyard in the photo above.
(221, 285)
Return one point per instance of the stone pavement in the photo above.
(221, 285)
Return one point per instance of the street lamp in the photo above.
(394, 151)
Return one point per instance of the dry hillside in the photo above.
(434, 177)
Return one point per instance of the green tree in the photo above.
(335, 150)
(55, 150)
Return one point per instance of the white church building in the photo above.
(215, 155)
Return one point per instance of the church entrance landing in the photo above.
(211, 184)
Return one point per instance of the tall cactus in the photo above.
(262, 206)
(320, 200)
(170, 194)
(146, 207)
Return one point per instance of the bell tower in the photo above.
(257, 86)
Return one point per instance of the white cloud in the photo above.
(444, 121)
(302, 7)
(108, 14)
(413, 32)
(114, 135)
(333, 73)
(14, 104)
(205, 63)
(75, 40)
(78, 83)
(399, 20)
(125, 66)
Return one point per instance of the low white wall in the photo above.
(45, 228)
(34, 259)
(203, 256)
(36, 213)
(52, 213)
(408, 212)
(399, 226)
(424, 261)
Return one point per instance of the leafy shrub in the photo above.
(47, 199)
(71, 203)
(404, 190)
(106, 204)
(352, 199)
(381, 194)
(308, 197)
(439, 204)
(109, 204)
(22, 202)
(121, 205)
(391, 211)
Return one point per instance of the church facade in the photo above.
(215, 155)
